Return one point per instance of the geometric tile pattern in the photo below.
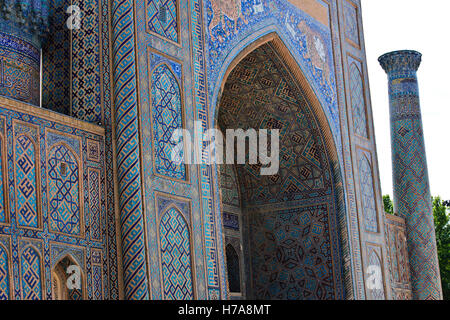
(167, 117)
(231, 221)
(85, 69)
(64, 197)
(62, 270)
(3, 213)
(112, 272)
(128, 153)
(229, 186)
(214, 271)
(71, 65)
(351, 22)
(61, 251)
(374, 260)
(234, 273)
(228, 23)
(93, 151)
(162, 18)
(412, 198)
(31, 274)
(25, 169)
(292, 251)
(56, 60)
(225, 20)
(19, 69)
(367, 192)
(4, 274)
(231, 215)
(358, 100)
(95, 203)
(176, 256)
(97, 274)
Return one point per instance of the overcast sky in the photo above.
(422, 26)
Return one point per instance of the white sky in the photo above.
(422, 26)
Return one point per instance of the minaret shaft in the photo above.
(412, 198)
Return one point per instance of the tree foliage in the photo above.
(388, 205)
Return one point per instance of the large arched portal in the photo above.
(283, 226)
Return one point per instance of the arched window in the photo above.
(4, 274)
(176, 256)
(25, 169)
(229, 185)
(234, 276)
(167, 117)
(95, 206)
(31, 281)
(62, 286)
(64, 191)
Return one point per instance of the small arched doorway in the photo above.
(287, 223)
(67, 280)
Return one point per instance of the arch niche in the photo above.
(60, 277)
(287, 224)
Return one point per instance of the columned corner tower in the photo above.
(412, 198)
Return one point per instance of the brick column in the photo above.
(412, 198)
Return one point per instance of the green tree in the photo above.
(388, 205)
(442, 226)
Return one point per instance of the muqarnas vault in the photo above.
(86, 117)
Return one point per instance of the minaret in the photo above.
(23, 24)
(412, 198)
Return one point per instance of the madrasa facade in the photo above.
(91, 93)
